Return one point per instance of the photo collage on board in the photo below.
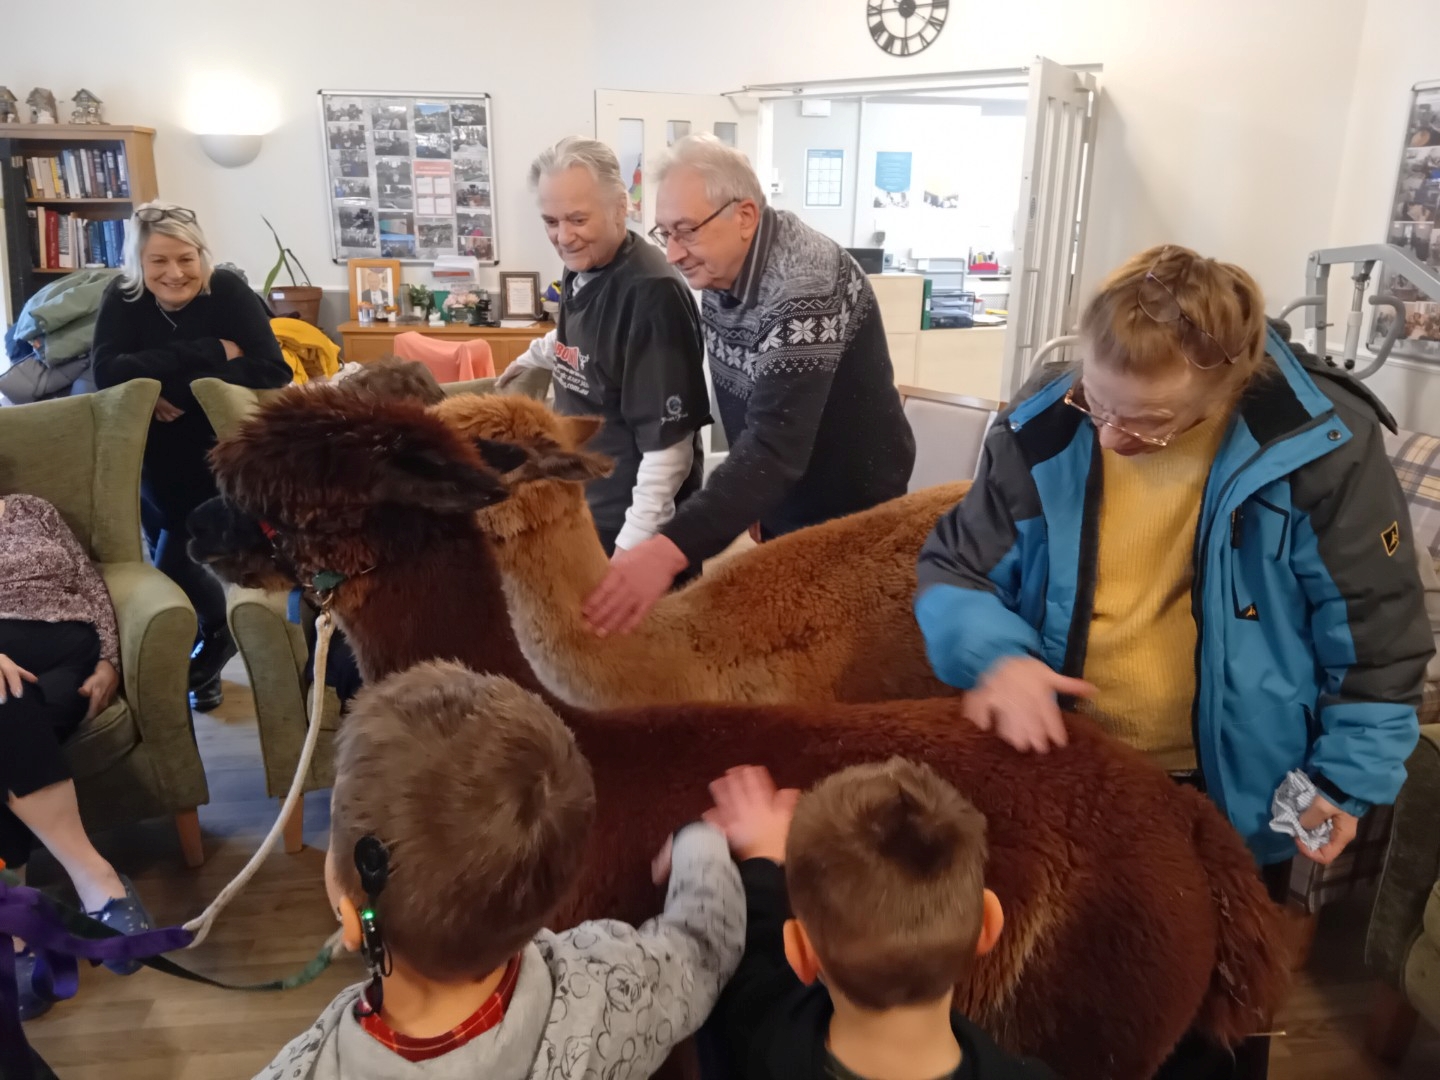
(1413, 219)
(411, 177)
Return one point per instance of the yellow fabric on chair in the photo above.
(310, 354)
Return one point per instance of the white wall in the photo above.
(794, 135)
(1391, 60)
(1221, 120)
(956, 148)
(143, 58)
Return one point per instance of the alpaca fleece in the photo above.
(822, 614)
(1134, 912)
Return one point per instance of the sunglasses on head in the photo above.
(151, 214)
(1158, 302)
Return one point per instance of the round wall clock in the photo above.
(906, 27)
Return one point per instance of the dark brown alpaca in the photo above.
(1133, 909)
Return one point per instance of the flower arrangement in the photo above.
(463, 303)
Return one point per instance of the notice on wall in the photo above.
(409, 177)
(1414, 215)
(892, 177)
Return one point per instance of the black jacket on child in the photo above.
(775, 1027)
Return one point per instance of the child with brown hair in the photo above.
(885, 867)
(459, 821)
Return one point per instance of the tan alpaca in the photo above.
(823, 614)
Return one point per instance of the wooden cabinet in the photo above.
(364, 344)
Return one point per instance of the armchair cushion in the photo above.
(101, 742)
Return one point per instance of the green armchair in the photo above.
(1403, 943)
(138, 758)
(274, 649)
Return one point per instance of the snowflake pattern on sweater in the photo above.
(812, 300)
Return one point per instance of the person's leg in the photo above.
(206, 593)
(40, 795)
(207, 596)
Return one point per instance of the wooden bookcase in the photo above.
(19, 141)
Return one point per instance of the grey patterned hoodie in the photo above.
(604, 1001)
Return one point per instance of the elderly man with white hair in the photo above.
(627, 347)
(802, 375)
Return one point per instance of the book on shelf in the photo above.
(69, 241)
(82, 173)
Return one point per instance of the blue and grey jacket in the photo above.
(1312, 634)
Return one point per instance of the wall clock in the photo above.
(906, 27)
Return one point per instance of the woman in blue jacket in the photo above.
(1201, 537)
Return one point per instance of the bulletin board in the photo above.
(1415, 208)
(409, 176)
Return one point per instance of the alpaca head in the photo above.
(546, 486)
(324, 479)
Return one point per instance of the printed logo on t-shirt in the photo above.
(674, 410)
(571, 355)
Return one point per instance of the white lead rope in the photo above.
(200, 926)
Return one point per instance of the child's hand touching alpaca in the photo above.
(753, 813)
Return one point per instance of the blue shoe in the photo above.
(128, 916)
(32, 1004)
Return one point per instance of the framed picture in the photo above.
(519, 295)
(408, 175)
(1414, 217)
(375, 282)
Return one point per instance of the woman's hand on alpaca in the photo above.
(1343, 831)
(636, 579)
(165, 412)
(100, 688)
(753, 814)
(1016, 699)
(232, 351)
(13, 678)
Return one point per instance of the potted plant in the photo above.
(294, 300)
(422, 301)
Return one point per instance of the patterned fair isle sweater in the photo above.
(45, 576)
(806, 392)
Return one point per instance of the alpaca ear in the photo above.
(427, 479)
(581, 429)
(503, 457)
(556, 464)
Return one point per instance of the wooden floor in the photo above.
(153, 1027)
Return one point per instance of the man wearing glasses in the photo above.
(802, 376)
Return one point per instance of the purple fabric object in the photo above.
(28, 914)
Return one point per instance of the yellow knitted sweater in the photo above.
(1141, 652)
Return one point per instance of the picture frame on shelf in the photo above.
(520, 295)
(375, 282)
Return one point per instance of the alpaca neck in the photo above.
(552, 567)
(447, 603)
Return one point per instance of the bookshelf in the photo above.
(91, 198)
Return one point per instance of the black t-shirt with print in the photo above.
(629, 350)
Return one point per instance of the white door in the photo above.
(1050, 225)
(639, 127)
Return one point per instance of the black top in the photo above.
(776, 1028)
(136, 339)
(628, 349)
(805, 389)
